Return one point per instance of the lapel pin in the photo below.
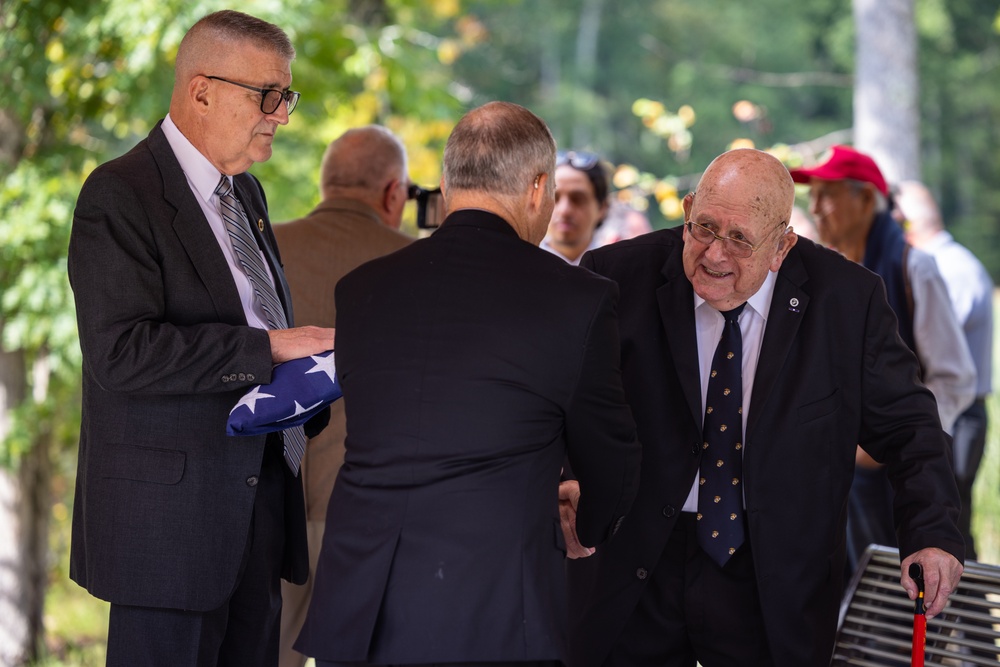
(260, 226)
(793, 305)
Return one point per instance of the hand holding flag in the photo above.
(298, 390)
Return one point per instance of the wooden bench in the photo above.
(876, 618)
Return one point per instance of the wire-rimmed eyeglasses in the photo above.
(270, 98)
(736, 247)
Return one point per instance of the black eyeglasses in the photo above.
(737, 247)
(578, 160)
(270, 98)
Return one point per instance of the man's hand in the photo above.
(288, 344)
(941, 574)
(569, 499)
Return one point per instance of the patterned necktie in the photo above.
(720, 490)
(248, 254)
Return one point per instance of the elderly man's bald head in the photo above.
(737, 227)
(758, 179)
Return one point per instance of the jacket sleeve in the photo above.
(900, 427)
(944, 356)
(602, 446)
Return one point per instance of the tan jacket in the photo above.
(317, 251)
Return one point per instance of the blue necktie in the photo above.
(720, 484)
(248, 254)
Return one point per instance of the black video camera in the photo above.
(430, 206)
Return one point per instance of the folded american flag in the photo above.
(298, 390)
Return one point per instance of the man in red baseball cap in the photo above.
(849, 200)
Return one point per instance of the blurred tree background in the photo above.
(657, 88)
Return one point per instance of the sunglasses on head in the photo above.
(578, 160)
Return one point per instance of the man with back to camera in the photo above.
(581, 204)
(363, 183)
(733, 552)
(472, 365)
(970, 290)
(182, 306)
(849, 200)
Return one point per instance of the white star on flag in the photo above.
(250, 399)
(325, 365)
(299, 389)
(299, 410)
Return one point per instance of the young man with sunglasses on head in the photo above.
(581, 204)
(182, 307)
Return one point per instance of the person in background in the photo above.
(182, 307)
(849, 200)
(581, 204)
(754, 365)
(363, 190)
(621, 222)
(803, 225)
(472, 365)
(970, 290)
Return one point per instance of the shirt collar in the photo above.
(760, 302)
(201, 174)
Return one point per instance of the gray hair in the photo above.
(227, 27)
(365, 157)
(499, 149)
(857, 187)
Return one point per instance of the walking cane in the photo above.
(919, 618)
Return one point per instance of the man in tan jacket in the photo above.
(363, 183)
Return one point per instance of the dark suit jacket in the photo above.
(832, 373)
(164, 497)
(470, 362)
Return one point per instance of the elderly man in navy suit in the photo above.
(733, 553)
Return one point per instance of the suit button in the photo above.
(250, 377)
(252, 480)
(225, 378)
(243, 377)
(232, 377)
(669, 511)
(641, 573)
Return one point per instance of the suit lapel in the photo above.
(788, 307)
(676, 301)
(194, 233)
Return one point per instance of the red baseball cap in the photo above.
(844, 163)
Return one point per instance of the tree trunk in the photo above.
(25, 504)
(15, 634)
(886, 87)
(586, 65)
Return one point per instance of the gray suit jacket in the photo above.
(164, 497)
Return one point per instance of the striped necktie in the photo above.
(720, 483)
(248, 254)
